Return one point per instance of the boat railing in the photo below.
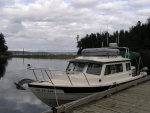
(76, 72)
(48, 72)
(127, 51)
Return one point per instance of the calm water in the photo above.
(13, 100)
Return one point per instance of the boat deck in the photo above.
(133, 97)
(132, 100)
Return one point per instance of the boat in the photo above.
(96, 70)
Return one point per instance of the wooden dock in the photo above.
(133, 97)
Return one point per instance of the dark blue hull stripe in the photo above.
(78, 89)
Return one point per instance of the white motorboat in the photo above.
(98, 69)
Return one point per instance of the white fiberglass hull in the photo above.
(56, 97)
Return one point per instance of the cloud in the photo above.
(52, 25)
(144, 11)
(139, 3)
(84, 4)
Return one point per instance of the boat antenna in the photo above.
(107, 35)
(118, 39)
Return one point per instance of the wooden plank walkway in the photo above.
(125, 99)
(132, 100)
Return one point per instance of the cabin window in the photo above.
(70, 66)
(79, 67)
(119, 68)
(114, 68)
(94, 69)
(128, 67)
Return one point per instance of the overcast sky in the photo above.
(52, 25)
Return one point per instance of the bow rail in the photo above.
(48, 72)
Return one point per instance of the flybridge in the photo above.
(100, 52)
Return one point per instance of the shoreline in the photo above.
(51, 56)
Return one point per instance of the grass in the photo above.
(51, 56)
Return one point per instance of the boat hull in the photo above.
(53, 96)
(57, 95)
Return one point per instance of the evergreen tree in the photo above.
(3, 47)
(137, 38)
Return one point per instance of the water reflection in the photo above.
(3, 64)
(10, 106)
(22, 101)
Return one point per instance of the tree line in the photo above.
(3, 46)
(137, 38)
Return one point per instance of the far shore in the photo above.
(45, 56)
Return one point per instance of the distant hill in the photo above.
(40, 53)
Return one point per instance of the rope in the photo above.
(110, 87)
(56, 95)
(66, 107)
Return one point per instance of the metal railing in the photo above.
(49, 74)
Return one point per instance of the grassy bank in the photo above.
(46, 56)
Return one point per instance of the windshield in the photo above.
(76, 66)
(79, 67)
(92, 68)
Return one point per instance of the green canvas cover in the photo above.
(132, 54)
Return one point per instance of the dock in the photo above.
(133, 97)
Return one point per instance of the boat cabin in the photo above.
(100, 61)
(103, 64)
(98, 67)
